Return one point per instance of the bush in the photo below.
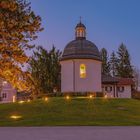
(136, 95)
(100, 94)
(72, 94)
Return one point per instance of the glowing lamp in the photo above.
(21, 102)
(28, 100)
(90, 96)
(105, 96)
(67, 97)
(15, 117)
(46, 99)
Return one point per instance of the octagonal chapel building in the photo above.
(81, 64)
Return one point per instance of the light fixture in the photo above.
(46, 99)
(21, 102)
(28, 100)
(15, 117)
(90, 96)
(105, 96)
(67, 97)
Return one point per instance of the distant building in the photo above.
(81, 64)
(117, 87)
(7, 92)
(81, 69)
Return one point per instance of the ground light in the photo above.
(67, 97)
(28, 100)
(21, 102)
(105, 96)
(90, 96)
(46, 99)
(15, 117)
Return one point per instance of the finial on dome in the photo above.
(80, 19)
(80, 30)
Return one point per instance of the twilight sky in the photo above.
(108, 23)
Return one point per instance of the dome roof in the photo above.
(81, 49)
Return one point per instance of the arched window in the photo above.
(82, 71)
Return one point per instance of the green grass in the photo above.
(76, 111)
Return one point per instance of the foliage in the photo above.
(136, 77)
(18, 26)
(45, 70)
(118, 64)
(113, 64)
(136, 95)
(105, 62)
(124, 68)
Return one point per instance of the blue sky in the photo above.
(108, 22)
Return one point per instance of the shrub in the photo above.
(136, 95)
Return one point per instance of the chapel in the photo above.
(81, 64)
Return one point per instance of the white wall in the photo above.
(109, 94)
(67, 76)
(9, 91)
(126, 93)
(70, 76)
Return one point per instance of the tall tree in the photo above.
(137, 77)
(45, 70)
(18, 26)
(124, 62)
(113, 64)
(105, 62)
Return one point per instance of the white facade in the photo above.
(120, 91)
(8, 93)
(126, 93)
(71, 80)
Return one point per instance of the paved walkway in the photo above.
(70, 133)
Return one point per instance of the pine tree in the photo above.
(137, 77)
(18, 26)
(113, 64)
(105, 62)
(45, 70)
(124, 68)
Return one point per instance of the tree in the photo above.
(18, 26)
(124, 68)
(137, 77)
(105, 62)
(113, 64)
(45, 70)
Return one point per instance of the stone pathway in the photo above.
(70, 133)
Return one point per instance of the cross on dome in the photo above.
(80, 30)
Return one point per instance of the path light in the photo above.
(28, 100)
(46, 99)
(15, 117)
(90, 96)
(67, 97)
(105, 96)
(21, 102)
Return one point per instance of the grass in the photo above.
(75, 111)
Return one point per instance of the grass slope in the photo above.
(73, 112)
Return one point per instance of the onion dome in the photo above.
(80, 48)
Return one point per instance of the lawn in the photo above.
(75, 111)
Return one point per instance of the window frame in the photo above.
(83, 73)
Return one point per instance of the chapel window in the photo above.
(82, 71)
